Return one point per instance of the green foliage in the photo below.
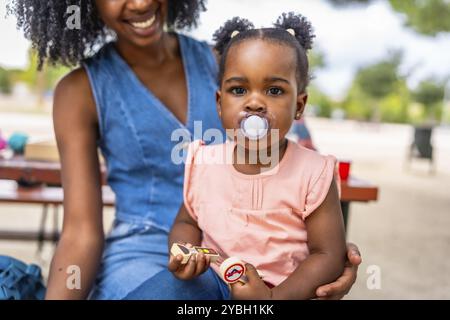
(430, 94)
(358, 105)
(39, 80)
(394, 107)
(316, 60)
(321, 100)
(379, 92)
(5, 81)
(428, 17)
(380, 79)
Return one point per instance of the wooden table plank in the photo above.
(354, 189)
(10, 192)
(17, 168)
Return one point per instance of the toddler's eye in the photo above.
(275, 91)
(238, 91)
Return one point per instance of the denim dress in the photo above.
(138, 139)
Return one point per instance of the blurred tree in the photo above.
(379, 80)
(395, 106)
(5, 81)
(40, 82)
(430, 94)
(427, 17)
(316, 60)
(317, 97)
(357, 104)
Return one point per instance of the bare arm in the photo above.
(185, 229)
(81, 242)
(326, 242)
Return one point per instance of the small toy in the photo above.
(17, 142)
(233, 270)
(187, 253)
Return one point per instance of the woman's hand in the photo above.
(253, 289)
(338, 289)
(196, 265)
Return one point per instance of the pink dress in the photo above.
(257, 218)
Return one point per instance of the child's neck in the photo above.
(244, 159)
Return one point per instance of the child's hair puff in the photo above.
(222, 37)
(302, 27)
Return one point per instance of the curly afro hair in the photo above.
(44, 24)
(300, 38)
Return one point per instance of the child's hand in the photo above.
(196, 265)
(254, 289)
(339, 288)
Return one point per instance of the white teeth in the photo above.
(144, 24)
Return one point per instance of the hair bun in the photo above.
(301, 26)
(223, 36)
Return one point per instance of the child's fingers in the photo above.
(189, 269)
(251, 273)
(207, 263)
(201, 262)
(175, 262)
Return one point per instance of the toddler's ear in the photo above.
(219, 103)
(302, 99)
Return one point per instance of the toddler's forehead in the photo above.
(261, 53)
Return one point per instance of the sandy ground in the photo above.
(404, 236)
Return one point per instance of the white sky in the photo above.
(350, 37)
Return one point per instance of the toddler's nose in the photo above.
(255, 108)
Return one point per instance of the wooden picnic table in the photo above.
(37, 182)
(12, 192)
(49, 173)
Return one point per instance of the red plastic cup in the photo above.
(344, 169)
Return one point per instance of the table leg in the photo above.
(41, 232)
(55, 224)
(345, 206)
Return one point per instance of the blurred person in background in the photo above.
(302, 133)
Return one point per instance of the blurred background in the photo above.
(380, 97)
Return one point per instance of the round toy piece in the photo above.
(254, 127)
(17, 142)
(232, 270)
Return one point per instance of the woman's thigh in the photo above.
(133, 254)
(164, 286)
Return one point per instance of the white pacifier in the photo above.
(254, 127)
